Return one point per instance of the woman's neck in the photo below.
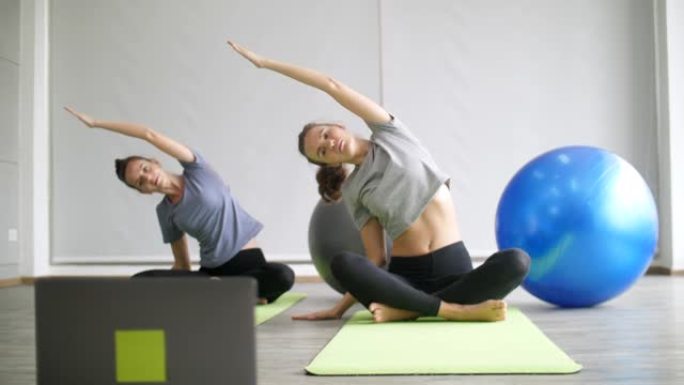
(174, 190)
(364, 147)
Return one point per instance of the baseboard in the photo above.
(304, 272)
(31, 280)
(9, 282)
(165, 259)
(300, 269)
(308, 279)
(662, 270)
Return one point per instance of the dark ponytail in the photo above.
(330, 179)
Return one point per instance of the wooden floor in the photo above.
(637, 338)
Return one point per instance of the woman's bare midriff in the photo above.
(435, 228)
(252, 244)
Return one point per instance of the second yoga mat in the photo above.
(263, 313)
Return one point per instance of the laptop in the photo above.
(145, 331)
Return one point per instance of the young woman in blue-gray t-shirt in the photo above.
(396, 188)
(200, 204)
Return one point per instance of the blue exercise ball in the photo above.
(586, 218)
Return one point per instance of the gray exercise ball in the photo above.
(332, 231)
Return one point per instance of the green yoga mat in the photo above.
(435, 346)
(263, 313)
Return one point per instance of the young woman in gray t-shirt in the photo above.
(200, 204)
(396, 188)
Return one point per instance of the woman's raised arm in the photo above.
(355, 102)
(161, 141)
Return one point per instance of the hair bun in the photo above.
(330, 179)
(120, 167)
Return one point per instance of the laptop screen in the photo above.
(151, 331)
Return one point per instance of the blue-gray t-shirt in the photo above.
(209, 213)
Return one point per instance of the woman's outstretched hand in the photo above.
(257, 60)
(87, 120)
(318, 315)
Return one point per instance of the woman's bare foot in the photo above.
(490, 310)
(384, 313)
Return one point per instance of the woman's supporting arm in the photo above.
(181, 255)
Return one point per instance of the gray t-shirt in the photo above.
(209, 213)
(395, 182)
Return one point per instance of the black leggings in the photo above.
(420, 283)
(273, 278)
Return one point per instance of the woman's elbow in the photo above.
(149, 135)
(332, 85)
(379, 260)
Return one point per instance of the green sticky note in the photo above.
(140, 355)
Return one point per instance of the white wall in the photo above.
(486, 85)
(490, 84)
(9, 142)
(34, 178)
(670, 80)
(166, 64)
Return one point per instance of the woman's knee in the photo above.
(518, 262)
(282, 275)
(345, 264)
